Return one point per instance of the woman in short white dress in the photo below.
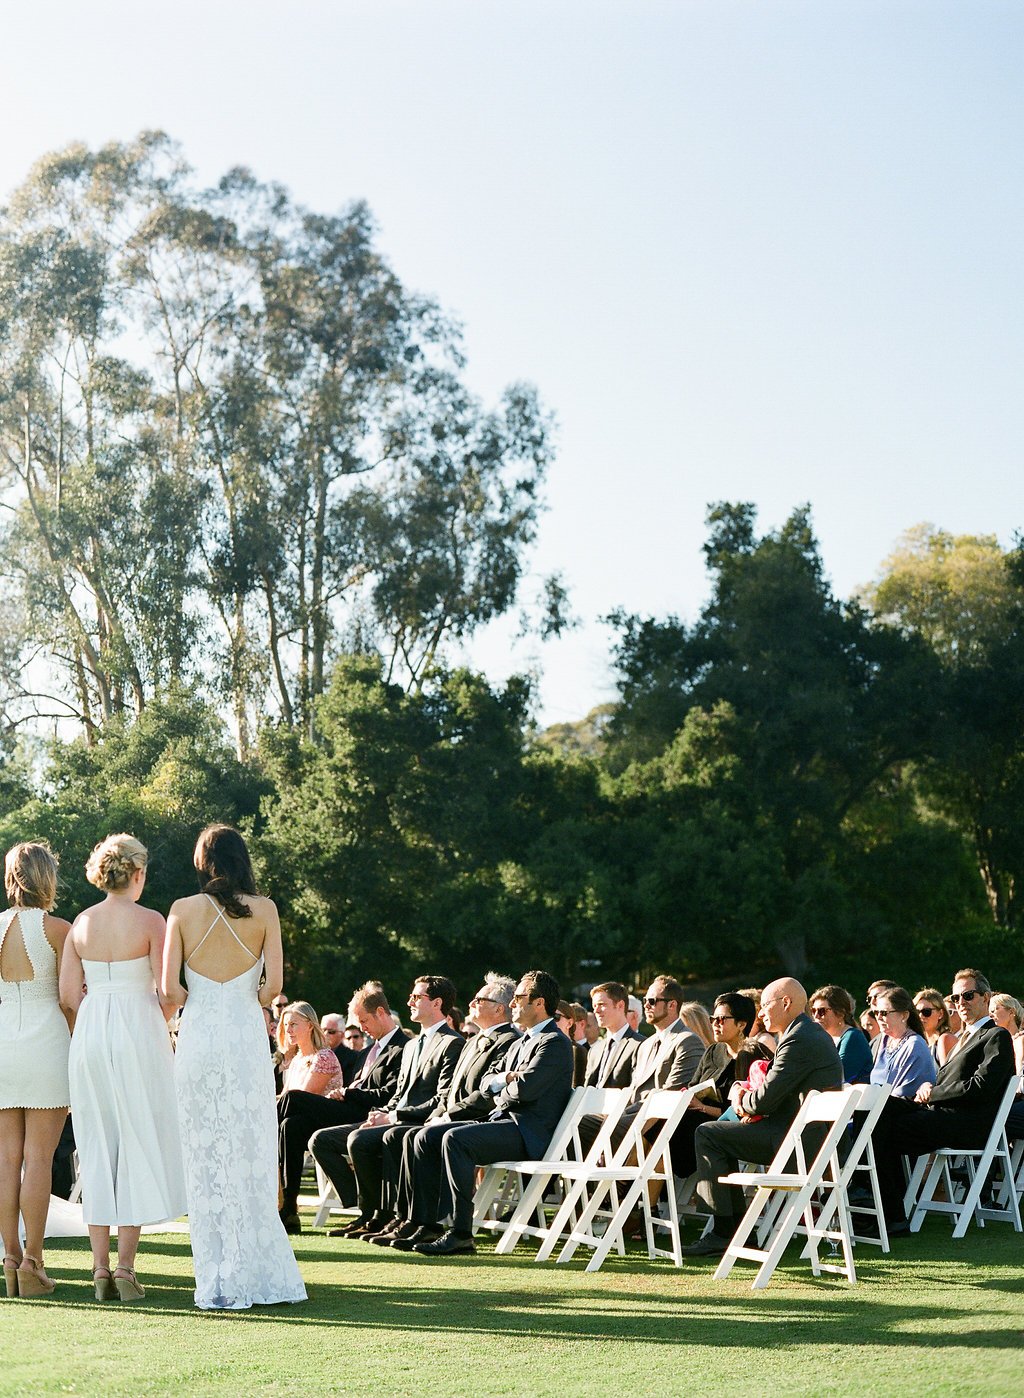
(228, 939)
(121, 1066)
(33, 1060)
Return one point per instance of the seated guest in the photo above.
(333, 1027)
(529, 1093)
(873, 990)
(634, 1012)
(727, 1062)
(416, 1191)
(355, 1039)
(759, 1032)
(697, 1020)
(959, 1109)
(832, 1008)
(668, 1058)
(806, 1058)
(611, 1059)
(301, 1113)
(578, 1038)
(308, 1064)
(426, 1068)
(940, 1038)
(904, 1060)
(1008, 1013)
(870, 1026)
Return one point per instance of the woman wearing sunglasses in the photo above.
(931, 1008)
(832, 1008)
(903, 1059)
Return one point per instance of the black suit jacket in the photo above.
(973, 1078)
(536, 1098)
(618, 1071)
(806, 1059)
(377, 1089)
(464, 1101)
(423, 1079)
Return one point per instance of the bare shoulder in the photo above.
(261, 906)
(151, 919)
(182, 907)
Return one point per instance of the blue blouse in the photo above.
(906, 1063)
(855, 1055)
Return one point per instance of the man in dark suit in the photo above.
(958, 1108)
(428, 1063)
(806, 1058)
(301, 1114)
(529, 1092)
(416, 1190)
(612, 1058)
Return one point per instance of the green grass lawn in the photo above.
(936, 1317)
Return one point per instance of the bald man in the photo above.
(805, 1058)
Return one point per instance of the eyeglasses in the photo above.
(925, 1011)
(963, 997)
(417, 995)
(819, 1011)
(884, 1014)
(522, 998)
(483, 1000)
(722, 1019)
(656, 1000)
(353, 1034)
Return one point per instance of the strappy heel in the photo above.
(11, 1275)
(32, 1278)
(128, 1289)
(104, 1284)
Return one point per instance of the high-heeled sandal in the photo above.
(32, 1278)
(128, 1289)
(104, 1284)
(11, 1275)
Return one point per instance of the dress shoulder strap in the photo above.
(220, 918)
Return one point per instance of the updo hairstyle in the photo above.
(30, 876)
(114, 861)
(224, 868)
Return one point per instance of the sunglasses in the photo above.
(963, 997)
(722, 1019)
(925, 1011)
(657, 1000)
(820, 1011)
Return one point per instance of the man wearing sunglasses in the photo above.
(958, 1109)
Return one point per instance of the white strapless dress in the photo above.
(228, 1116)
(122, 1099)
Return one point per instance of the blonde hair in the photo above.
(114, 861)
(697, 1020)
(30, 875)
(304, 1010)
(1009, 1003)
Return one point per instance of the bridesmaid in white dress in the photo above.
(33, 1061)
(121, 1066)
(228, 939)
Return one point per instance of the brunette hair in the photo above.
(934, 998)
(899, 999)
(839, 1001)
(222, 863)
(114, 861)
(741, 1007)
(30, 875)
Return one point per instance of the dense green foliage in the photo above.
(249, 505)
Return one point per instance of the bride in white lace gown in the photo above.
(224, 937)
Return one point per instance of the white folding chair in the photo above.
(529, 1218)
(860, 1161)
(978, 1164)
(500, 1189)
(820, 1175)
(635, 1164)
(327, 1202)
(75, 1197)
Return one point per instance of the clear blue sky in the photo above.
(747, 249)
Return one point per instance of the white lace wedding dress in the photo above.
(228, 1117)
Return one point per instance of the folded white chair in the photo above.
(798, 1174)
(634, 1164)
(500, 1189)
(978, 1164)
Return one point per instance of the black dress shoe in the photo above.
(291, 1221)
(400, 1229)
(357, 1225)
(711, 1246)
(381, 1230)
(448, 1245)
(423, 1233)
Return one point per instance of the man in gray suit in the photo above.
(667, 1058)
(806, 1059)
(611, 1059)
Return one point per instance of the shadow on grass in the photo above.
(418, 1295)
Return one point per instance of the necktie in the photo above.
(373, 1053)
(605, 1062)
(414, 1066)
